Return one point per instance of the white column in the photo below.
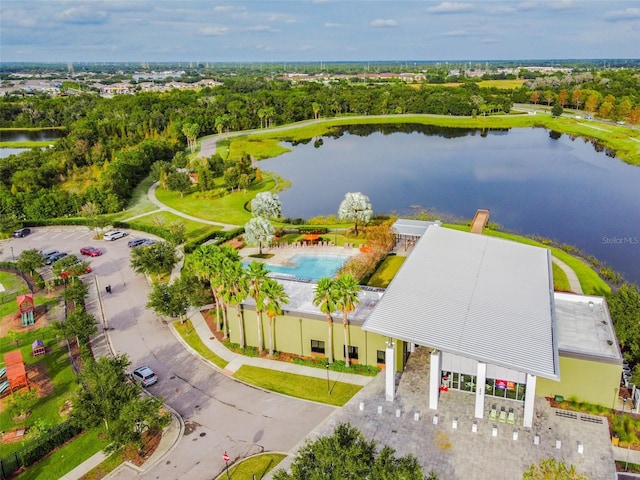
(529, 397)
(434, 379)
(481, 380)
(390, 371)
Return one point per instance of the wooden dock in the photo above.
(480, 221)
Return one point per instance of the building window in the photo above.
(317, 346)
(380, 356)
(353, 353)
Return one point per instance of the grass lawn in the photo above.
(258, 465)
(190, 336)
(139, 202)
(560, 280)
(386, 271)
(299, 386)
(228, 209)
(59, 371)
(194, 229)
(13, 286)
(66, 458)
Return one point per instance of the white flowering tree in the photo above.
(259, 231)
(266, 204)
(355, 207)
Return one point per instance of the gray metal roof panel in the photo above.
(476, 296)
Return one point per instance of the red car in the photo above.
(90, 251)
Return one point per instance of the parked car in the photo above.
(54, 258)
(144, 375)
(134, 242)
(114, 235)
(48, 254)
(90, 251)
(22, 232)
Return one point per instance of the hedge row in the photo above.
(218, 238)
(36, 450)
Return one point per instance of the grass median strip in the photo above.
(253, 467)
(299, 386)
(189, 335)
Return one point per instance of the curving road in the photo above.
(220, 414)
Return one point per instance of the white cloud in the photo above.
(626, 14)
(563, 5)
(213, 30)
(333, 25)
(384, 22)
(451, 7)
(82, 15)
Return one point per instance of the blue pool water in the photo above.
(310, 267)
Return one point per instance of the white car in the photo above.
(114, 235)
(144, 375)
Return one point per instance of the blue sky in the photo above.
(320, 30)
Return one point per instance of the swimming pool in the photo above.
(310, 267)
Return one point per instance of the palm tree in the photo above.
(347, 290)
(203, 262)
(219, 263)
(236, 290)
(257, 275)
(273, 296)
(325, 300)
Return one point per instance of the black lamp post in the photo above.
(326, 366)
(12, 256)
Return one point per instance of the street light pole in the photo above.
(326, 365)
(12, 256)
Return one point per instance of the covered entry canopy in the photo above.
(480, 297)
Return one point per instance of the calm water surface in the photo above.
(532, 181)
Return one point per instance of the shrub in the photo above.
(39, 448)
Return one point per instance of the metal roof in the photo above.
(476, 296)
(416, 228)
(585, 328)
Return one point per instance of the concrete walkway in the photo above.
(574, 283)
(236, 361)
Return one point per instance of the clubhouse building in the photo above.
(486, 309)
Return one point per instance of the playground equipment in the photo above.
(26, 306)
(37, 348)
(16, 372)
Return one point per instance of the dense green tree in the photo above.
(624, 307)
(556, 110)
(156, 259)
(30, 260)
(79, 324)
(179, 182)
(347, 454)
(551, 469)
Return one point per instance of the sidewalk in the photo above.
(236, 360)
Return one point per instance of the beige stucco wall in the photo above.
(584, 380)
(293, 334)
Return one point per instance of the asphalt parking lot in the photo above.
(220, 413)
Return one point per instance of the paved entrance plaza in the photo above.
(460, 453)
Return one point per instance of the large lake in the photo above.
(533, 181)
